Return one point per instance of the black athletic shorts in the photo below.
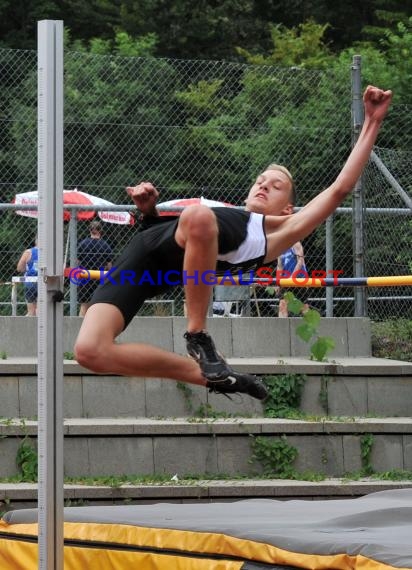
(138, 274)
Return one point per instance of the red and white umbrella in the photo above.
(75, 198)
(174, 207)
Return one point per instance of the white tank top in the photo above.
(253, 246)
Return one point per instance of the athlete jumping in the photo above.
(205, 239)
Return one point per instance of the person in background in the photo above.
(28, 264)
(292, 261)
(93, 253)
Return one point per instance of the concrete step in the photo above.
(130, 446)
(24, 495)
(342, 387)
(247, 336)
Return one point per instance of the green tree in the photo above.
(196, 29)
(18, 20)
(302, 45)
(116, 110)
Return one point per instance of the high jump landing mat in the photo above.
(368, 533)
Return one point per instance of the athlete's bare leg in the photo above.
(97, 350)
(197, 233)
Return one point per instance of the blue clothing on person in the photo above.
(30, 289)
(289, 260)
(32, 265)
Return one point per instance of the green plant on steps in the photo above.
(206, 411)
(275, 455)
(187, 393)
(27, 461)
(366, 445)
(392, 339)
(309, 329)
(285, 391)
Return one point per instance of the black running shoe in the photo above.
(243, 383)
(201, 347)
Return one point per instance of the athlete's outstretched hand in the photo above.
(144, 196)
(376, 102)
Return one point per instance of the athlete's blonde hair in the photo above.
(281, 168)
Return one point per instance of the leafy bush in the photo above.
(285, 391)
(392, 339)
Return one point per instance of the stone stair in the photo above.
(157, 429)
(186, 447)
(347, 387)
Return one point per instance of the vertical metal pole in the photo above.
(50, 320)
(329, 264)
(357, 196)
(73, 259)
(14, 299)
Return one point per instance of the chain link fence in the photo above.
(205, 128)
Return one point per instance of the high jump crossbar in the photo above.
(299, 282)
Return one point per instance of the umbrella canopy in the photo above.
(174, 207)
(75, 197)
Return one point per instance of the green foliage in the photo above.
(3, 355)
(206, 411)
(267, 109)
(122, 44)
(321, 348)
(309, 329)
(187, 393)
(193, 29)
(116, 481)
(311, 321)
(275, 455)
(302, 45)
(392, 339)
(394, 475)
(285, 391)
(203, 97)
(108, 96)
(86, 19)
(27, 461)
(386, 60)
(230, 120)
(395, 42)
(366, 451)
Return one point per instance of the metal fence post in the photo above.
(357, 200)
(73, 259)
(329, 263)
(50, 283)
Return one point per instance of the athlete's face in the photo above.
(270, 194)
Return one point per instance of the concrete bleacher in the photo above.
(243, 337)
(131, 426)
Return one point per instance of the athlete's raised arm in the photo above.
(296, 227)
